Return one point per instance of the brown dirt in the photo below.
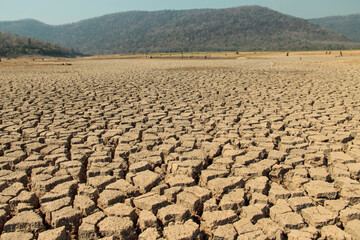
(254, 145)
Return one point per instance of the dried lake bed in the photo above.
(258, 147)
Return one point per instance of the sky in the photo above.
(57, 12)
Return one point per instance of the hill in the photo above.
(250, 28)
(348, 26)
(13, 46)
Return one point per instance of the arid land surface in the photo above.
(259, 147)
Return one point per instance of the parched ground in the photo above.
(260, 147)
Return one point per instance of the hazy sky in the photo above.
(67, 11)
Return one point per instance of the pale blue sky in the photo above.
(67, 11)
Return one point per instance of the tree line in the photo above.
(14, 45)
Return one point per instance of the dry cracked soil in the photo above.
(251, 148)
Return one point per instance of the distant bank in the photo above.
(249, 28)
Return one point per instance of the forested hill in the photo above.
(14, 46)
(347, 25)
(250, 28)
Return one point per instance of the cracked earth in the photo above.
(262, 148)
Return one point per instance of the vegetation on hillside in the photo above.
(347, 25)
(13, 46)
(250, 28)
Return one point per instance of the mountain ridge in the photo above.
(249, 28)
(347, 25)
